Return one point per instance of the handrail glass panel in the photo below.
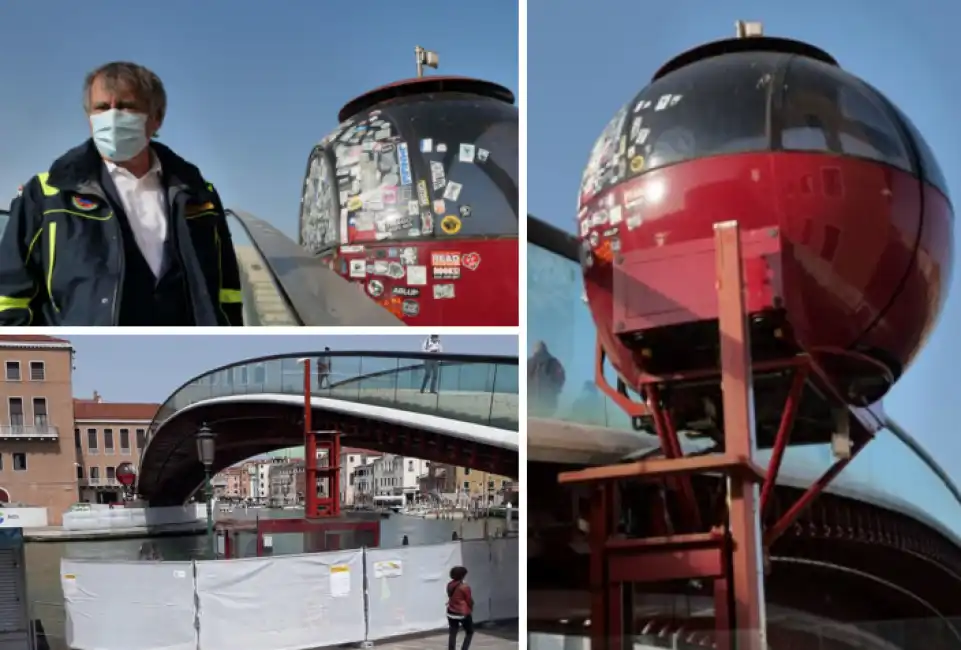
(482, 392)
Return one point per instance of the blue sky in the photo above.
(584, 65)
(252, 85)
(150, 368)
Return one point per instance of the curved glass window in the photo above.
(825, 109)
(429, 166)
(930, 168)
(319, 209)
(715, 106)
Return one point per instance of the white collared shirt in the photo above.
(432, 346)
(143, 201)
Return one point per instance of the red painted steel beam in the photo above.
(736, 387)
(783, 436)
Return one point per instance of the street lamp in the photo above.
(206, 446)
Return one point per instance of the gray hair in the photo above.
(121, 74)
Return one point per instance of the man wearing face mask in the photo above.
(120, 230)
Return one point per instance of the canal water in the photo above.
(43, 559)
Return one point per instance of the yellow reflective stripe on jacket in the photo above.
(53, 259)
(231, 296)
(48, 189)
(7, 303)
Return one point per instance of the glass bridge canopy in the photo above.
(470, 388)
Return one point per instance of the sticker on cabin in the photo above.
(375, 288)
(450, 225)
(465, 211)
(437, 175)
(443, 291)
(446, 272)
(452, 191)
(410, 308)
(426, 145)
(413, 208)
(483, 155)
(395, 270)
(637, 164)
(467, 152)
(408, 256)
(403, 164)
(417, 275)
(423, 196)
(471, 261)
(441, 147)
(355, 203)
(439, 206)
(444, 258)
(406, 292)
(358, 269)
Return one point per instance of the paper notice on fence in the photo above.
(69, 583)
(340, 581)
(388, 569)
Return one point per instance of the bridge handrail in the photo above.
(167, 409)
(314, 294)
(564, 244)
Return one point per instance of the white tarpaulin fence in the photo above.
(289, 602)
(132, 605)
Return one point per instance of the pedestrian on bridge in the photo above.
(431, 366)
(460, 608)
(120, 230)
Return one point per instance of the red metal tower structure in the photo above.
(316, 507)
(725, 547)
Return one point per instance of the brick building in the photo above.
(38, 460)
(105, 435)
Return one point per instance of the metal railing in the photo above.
(29, 431)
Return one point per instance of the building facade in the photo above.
(38, 459)
(105, 435)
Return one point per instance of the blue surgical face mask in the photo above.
(119, 135)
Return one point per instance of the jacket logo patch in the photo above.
(84, 205)
(192, 210)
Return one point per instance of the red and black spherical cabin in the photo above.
(414, 197)
(845, 220)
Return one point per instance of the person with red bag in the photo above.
(460, 608)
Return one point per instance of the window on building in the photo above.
(76, 439)
(38, 371)
(19, 461)
(94, 474)
(466, 485)
(40, 412)
(141, 438)
(410, 466)
(111, 473)
(467, 471)
(80, 472)
(1, 462)
(125, 441)
(108, 441)
(16, 412)
(13, 370)
(93, 445)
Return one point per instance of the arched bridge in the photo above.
(373, 398)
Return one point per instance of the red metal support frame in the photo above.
(311, 507)
(744, 524)
(783, 436)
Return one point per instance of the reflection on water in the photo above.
(43, 559)
(559, 318)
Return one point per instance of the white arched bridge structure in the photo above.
(375, 399)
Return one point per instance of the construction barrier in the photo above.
(282, 602)
(290, 602)
(129, 605)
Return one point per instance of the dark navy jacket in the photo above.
(63, 259)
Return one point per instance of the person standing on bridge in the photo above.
(120, 230)
(460, 608)
(324, 366)
(431, 366)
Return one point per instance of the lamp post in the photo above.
(206, 443)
